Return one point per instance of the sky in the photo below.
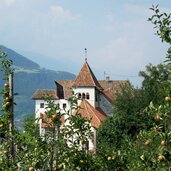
(120, 41)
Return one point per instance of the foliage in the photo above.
(147, 109)
(128, 120)
(130, 116)
(62, 147)
(155, 80)
(137, 137)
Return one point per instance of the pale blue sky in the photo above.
(119, 39)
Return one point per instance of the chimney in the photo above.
(107, 78)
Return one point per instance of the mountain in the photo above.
(19, 60)
(28, 77)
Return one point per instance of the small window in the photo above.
(79, 95)
(87, 96)
(58, 106)
(64, 105)
(86, 145)
(42, 105)
(83, 95)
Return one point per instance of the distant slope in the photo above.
(19, 60)
(26, 83)
(29, 77)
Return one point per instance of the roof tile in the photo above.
(86, 78)
(38, 95)
(95, 114)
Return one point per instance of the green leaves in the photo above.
(145, 113)
(162, 24)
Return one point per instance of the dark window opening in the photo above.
(64, 105)
(86, 145)
(87, 96)
(60, 92)
(41, 105)
(79, 95)
(83, 95)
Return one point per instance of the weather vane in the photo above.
(85, 54)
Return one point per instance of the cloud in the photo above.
(120, 52)
(119, 40)
(59, 11)
(110, 17)
(37, 26)
(134, 46)
(111, 22)
(60, 14)
(9, 2)
(136, 10)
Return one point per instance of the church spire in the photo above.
(86, 78)
(85, 54)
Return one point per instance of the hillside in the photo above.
(19, 60)
(28, 77)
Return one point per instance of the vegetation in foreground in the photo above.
(136, 138)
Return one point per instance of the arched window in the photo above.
(79, 95)
(87, 96)
(83, 95)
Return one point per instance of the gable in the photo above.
(86, 78)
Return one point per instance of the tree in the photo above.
(155, 78)
(129, 117)
(149, 148)
(53, 151)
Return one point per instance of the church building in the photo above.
(95, 98)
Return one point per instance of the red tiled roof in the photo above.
(86, 78)
(95, 114)
(40, 93)
(108, 95)
(67, 87)
(112, 87)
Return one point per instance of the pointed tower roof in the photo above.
(86, 78)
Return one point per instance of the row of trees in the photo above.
(57, 150)
(137, 137)
(139, 134)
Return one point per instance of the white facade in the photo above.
(96, 99)
(40, 106)
(85, 90)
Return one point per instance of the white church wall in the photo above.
(38, 108)
(64, 106)
(90, 90)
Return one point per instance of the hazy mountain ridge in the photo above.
(18, 60)
(29, 77)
